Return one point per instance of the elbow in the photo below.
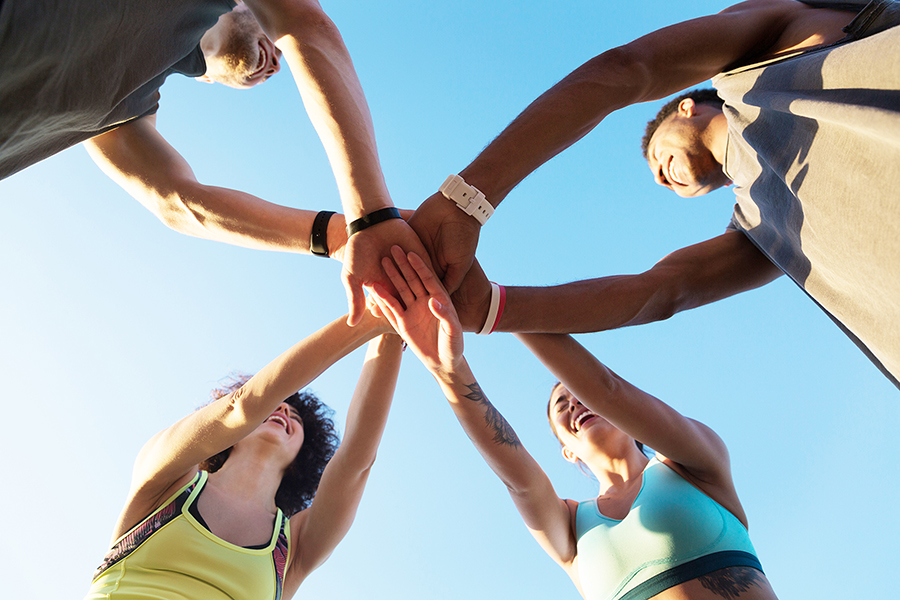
(304, 22)
(179, 210)
(663, 296)
(623, 72)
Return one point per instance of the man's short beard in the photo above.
(240, 51)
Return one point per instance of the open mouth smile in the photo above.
(277, 418)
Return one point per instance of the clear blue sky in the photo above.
(113, 326)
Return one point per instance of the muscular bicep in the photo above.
(691, 52)
(140, 160)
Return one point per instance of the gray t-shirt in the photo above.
(814, 152)
(71, 69)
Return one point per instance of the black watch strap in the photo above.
(373, 218)
(318, 238)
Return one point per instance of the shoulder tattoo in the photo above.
(503, 431)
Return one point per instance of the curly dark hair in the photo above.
(699, 96)
(320, 440)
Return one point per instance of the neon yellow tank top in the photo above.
(170, 556)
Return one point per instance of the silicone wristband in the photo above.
(318, 237)
(373, 218)
(489, 322)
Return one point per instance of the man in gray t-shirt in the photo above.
(89, 71)
(810, 135)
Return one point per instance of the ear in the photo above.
(569, 455)
(686, 107)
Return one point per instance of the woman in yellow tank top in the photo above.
(243, 499)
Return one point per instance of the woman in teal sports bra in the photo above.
(239, 499)
(670, 527)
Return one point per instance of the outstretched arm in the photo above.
(175, 452)
(652, 67)
(139, 159)
(686, 442)
(317, 530)
(334, 99)
(694, 276)
(428, 322)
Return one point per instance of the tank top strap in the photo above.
(153, 523)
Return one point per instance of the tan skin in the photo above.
(139, 159)
(597, 423)
(652, 67)
(265, 434)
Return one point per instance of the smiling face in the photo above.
(679, 156)
(237, 52)
(579, 430)
(284, 426)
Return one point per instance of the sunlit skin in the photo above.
(237, 51)
(687, 151)
(585, 435)
(284, 427)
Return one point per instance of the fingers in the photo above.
(428, 279)
(388, 305)
(356, 298)
(399, 281)
(409, 273)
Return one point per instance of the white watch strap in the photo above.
(469, 199)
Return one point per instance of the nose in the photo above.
(573, 404)
(274, 66)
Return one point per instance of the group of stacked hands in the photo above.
(800, 168)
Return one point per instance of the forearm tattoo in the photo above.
(730, 583)
(503, 432)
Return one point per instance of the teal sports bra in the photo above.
(673, 533)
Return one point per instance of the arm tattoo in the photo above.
(731, 582)
(503, 432)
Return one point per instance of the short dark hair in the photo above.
(320, 440)
(699, 96)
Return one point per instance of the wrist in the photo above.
(467, 198)
(337, 236)
(455, 376)
(496, 305)
(486, 179)
(371, 219)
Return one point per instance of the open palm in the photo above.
(426, 318)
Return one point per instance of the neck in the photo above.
(615, 473)
(715, 136)
(249, 477)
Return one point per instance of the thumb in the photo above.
(356, 298)
(446, 315)
(454, 276)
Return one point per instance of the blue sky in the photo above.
(113, 326)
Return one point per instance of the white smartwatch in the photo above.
(469, 199)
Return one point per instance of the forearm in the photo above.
(370, 406)
(492, 435)
(543, 512)
(299, 366)
(241, 219)
(687, 278)
(590, 305)
(557, 119)
(333, 97)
